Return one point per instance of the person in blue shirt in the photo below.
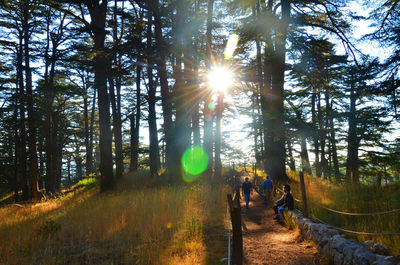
(285, 201)
(246, 190)
(268, 186)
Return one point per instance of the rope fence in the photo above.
(229, 234)
(351, 214)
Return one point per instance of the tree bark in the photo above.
(166, 100)
(278, 170)
(352, 139)
(315, 134)
(135, 124)
(265, 94)
(89, 151)
(305, 161)
(59, 151)
(22, 127)
(17, 146)
(208, 116)
(88, 168)
(51, 130)
(116, 121)
(292, 164)
(33, 160)
(218, 163)
(181, 95)
(332, 139)
(98, 17)
(321, 135)
(154, 149)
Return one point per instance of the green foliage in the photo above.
(354, 199)
(87, 183)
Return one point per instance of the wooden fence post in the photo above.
(303, 194)
(236, 219)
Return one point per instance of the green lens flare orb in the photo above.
(194, 160)
(211, 106)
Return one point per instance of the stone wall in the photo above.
(341, 250)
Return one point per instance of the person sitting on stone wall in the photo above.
(285, 201)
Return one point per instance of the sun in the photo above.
(220, 78)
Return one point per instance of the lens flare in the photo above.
(231, 46)
(220, 78)
(194, 161)
(211, 106)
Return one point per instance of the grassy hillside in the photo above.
(139, 223)
(364, 199)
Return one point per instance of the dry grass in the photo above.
(364, 199)
(182, 224)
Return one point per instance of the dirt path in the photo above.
(268, 243)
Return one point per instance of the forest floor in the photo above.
(266, 242)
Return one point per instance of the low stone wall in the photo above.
(343, 251)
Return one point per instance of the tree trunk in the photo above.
(69, 172)
(115, 97)
(89, 151)
(17, 147)
(321, 135)
(33, 160)
(135, 124)
(195, 90)
(41, 159)
(116, 121)
(78, 164)
(315, 134)
(292, 164)
(166, 100)
(332, 134)
(258, 154)
(154, 149)
(208, 116)
(181, 95)
(51, 130)
(22, 128)
(352, 140)
(98, 16)
(59, 144)
(220, 109)
(86, 121)
(278, 170)
(305, 161)
(265, 94)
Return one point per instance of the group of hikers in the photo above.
(266, 189)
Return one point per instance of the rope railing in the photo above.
(229, 234)
(352, 214)
(357, 232)
(346, 213)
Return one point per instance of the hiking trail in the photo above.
(266, 242)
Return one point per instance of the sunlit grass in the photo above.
(346, 198)
(137, 224)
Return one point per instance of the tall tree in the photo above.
(207, 112)
(98, 11)
(154, 149)
(28, 8)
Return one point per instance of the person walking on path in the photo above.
(246, 190)
(268, 186)
(285, 201)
